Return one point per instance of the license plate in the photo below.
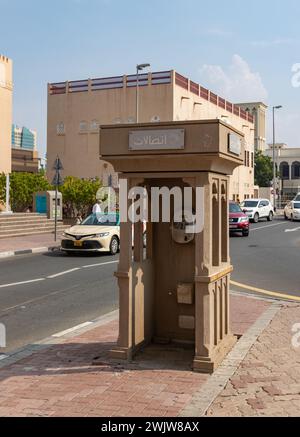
(78, 243)
(233, 226)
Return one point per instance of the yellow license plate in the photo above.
(78, 243)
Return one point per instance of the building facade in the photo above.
(23, 138)
(23, 150)
(288, 164)
(258, 110)
(6, 93)
(76, 109)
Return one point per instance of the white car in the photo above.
(297, 198)
(257, 209)
(97, 233)
(292, 210)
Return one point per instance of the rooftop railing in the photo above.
(157, 78)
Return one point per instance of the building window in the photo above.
(284, 170)
(296, 170)
(60, 128)
(95, 125)
(83, 126)
(252, 159)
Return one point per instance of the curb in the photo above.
(13, 357)
(12, 253)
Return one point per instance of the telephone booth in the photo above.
(176, 289)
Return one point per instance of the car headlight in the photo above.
(243, 219)
(103, 234)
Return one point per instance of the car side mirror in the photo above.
(244, 211)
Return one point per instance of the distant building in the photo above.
(23, 138)
(287, 161)
(23, 150)
(258, 111)
(77, 109)
(6, 94)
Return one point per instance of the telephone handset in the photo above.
(179, 231)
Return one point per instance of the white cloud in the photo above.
(237, 82)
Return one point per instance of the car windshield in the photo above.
(297, 198)
(249, 204)
(101, 220)
(297, 205)
(234, 208)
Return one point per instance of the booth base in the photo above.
(210, 364)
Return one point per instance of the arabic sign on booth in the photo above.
(156, 139)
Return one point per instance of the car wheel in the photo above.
(270, 216)
(114, 246)
(246, 233)
(256, 218)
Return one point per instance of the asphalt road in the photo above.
(43, 294)
(63, 292)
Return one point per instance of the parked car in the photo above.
(238, 220)
(257, 209)
(292, 210)
(297, 198)
(97, 233)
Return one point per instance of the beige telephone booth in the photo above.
(177, 289)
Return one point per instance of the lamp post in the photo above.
(139, 68)
(274, 158)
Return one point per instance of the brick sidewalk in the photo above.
(61, 380)
(268, 381)
(28, 242)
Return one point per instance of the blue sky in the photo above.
(242, 50)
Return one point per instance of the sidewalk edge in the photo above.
(203, 399)
(30, 349)
(11, 253)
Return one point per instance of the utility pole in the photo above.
(57, 181)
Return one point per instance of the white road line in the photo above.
(63, 273)
(75, 328)
(264, 227)
(101, 264)
(3, 356)
(21, 283)
(293, 230)
(57, 274)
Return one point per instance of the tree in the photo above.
(79, 195)
(263, 170)
(22, 188)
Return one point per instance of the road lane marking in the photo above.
(264, 227)
(266, 292)
(63, 273)
(293, 230)
(22, 283)
(23, 304)
(57, 275)
(75, 328)
(101, 264)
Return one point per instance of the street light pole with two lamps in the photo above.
(274, 158)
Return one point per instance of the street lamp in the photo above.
(139, 68)
(274, 164)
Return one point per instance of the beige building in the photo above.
(288, 163)
(258, 110)
(6, 91)
(76, 109)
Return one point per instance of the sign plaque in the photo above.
(166, 139)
